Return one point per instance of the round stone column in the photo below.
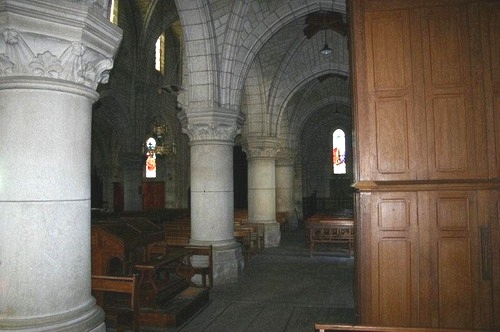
(51, 62)
(261, 154)
(212, 193)
(285, 176)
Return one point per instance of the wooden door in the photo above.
(426, 95)
(153, 195)
(118, 197)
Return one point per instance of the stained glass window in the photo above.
(159, 53)
(113, 11)
(150, 158)
(338, 152)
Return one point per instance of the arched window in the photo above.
(113, 11)
(151, 158)
(160, 53)
(338, 152)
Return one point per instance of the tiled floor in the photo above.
(282, 289)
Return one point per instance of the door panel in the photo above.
(153, 195)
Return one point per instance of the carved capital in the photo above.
(261, 147)
(285, 157)
(211, 131)
(218, 124)
(63, 40)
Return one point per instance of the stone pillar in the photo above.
(285, 176)
(212, 192)
(53, 54)
(133, 168)
(261, 154)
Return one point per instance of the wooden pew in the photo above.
(371, 328)
(282, 219)
(125, 285)
(206, 270)
(243, 236)
(330, 231)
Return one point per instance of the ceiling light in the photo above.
(326, 50)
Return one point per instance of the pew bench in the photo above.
(202, 263)
(121, 312)
(331, 232)
(371, 328)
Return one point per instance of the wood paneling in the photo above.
(448, 93)
(490, 28)
(394, 258)
(392, 136)
(454, 232)
(426, 87)
(153, 195)
(391, 99)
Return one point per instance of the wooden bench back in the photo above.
(205, 271)
(341, 327)
(127, 285)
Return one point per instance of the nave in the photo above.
(282, 289)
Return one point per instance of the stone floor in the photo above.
(282, 289)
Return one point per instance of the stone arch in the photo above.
(200, 48)
(238, 66)
(293, 112)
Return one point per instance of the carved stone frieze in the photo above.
(77, 64)
(285, 157)
(212, 131)
(261, 147)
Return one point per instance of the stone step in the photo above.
(176, 311)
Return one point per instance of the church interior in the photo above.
(159, 155)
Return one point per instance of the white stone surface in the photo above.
(52, 61)
(212, 206)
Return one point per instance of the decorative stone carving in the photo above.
(212, 131)
(285, 157)
(76, 64)
(261, 147)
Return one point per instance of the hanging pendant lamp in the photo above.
(326, 50)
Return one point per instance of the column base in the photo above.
(91, 320)
(228, 264)
(272, 233)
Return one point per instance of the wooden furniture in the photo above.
(282, 220)
(346, 328)
(165, 296)
(118, 244)
(330, 231)
(177, 232)
(244, 237)
(150, 281)
(204, 269)
(123, 285)
(426, 98)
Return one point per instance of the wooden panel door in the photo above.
(453, 260)
(394, 257)
(118, 197)
(426, 87)
(455, 128)
(153, 195)
(390, 135)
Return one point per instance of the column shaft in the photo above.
(53, 56)
(285, 191)
(45, 208)
(212, 194)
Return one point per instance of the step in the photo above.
(177, 311)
